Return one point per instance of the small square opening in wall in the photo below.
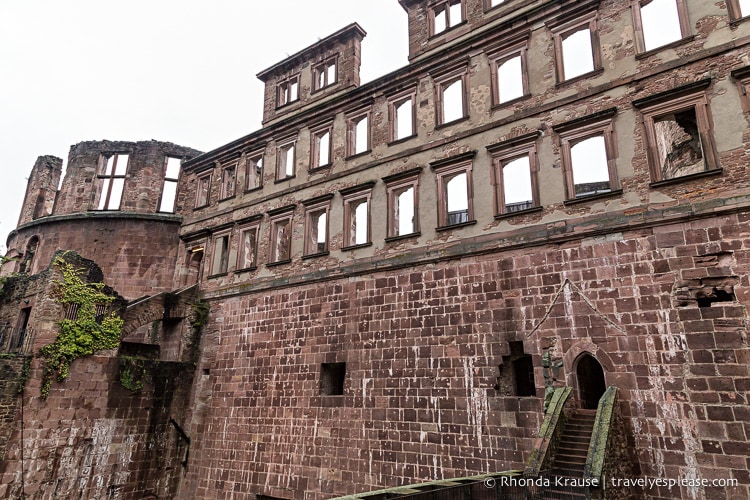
(332, 379)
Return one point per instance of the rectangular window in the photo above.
(403, 208)
(576, 48)
(247, 258)
(589, 151)
(455, 190)
(678, 132)
(254, 171)
(228, 181)
(514, 174)
(738, 8)
(659, 22)
(111, 179)
(450, 97)
(357, 215)
(169, 188)
(332, 376)
(203, 190)
(316, 226)
(401, 109)
(324, 74)
(320, 151)
(358, 134)
(445, 15)
(287, 91)
(285, 158)
(220, 260)
(509, 77)
(281, 236)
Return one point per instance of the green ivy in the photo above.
(132, 373)
(84, 335)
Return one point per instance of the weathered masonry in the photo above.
(549, 202)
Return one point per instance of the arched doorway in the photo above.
(591, 384)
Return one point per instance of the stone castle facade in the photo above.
(551, 193)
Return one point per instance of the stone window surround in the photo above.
(316, 133)
(324, 65)
(282, 147)
(506, 151)
(640, 41)
(220, 256)
(436, 6)
(443, 81)
(352, 120)
(682, 98)
(228, 191)
(394, 184)
(350, 196)
(580, 129)
(284, 93)
(394, 102)
(560, 31)
(450, 167)
(252, 227)
(518, 47)
(313, 207)
(166, 180)
(203, 178)
(735, 12)
(276, 217)
(251, 160)
(108, 179)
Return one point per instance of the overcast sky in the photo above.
(181, 71)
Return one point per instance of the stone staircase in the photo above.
(570, 458)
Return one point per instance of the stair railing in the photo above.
(549, 433)
(597, 453)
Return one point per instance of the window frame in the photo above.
(497, 58)
(312, 207)
(108, 179)
(315, 134)
(226, 236)
(352, 119)
(682, 98)
(173, 180)
(576, 131)
(350, 196)
(445, 5)
(561, 31)
(506, 152)
(228, 190)
(450, 168)
(284, 90)
(735, 11)
(283, 146)
(249, 227)
(742, 78)
(200, 179)
(325, 64)
(640, 38)
(251, 160)
(398, 183)
(442, 82)
(276, 218)
(394, 102)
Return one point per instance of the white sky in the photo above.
(181, 71)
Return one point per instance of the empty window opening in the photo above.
(516, 374)
(228, 181)
(169, 189)
(494, 3)
(706, 297)
(517, 187)
(112, 181)
(332, 377)
(404, 120)
(325, 74)
(322, 148)
(286, 161)
(577, 53)
(203, 191)
(447, 15)
(744, 7)
(19, 335)
(359, 135)
(254, 173)
(281, 240)
(288, 91)
(221, 255)
(457, 199)
(510, 79)
(317, 232)
(358, 227)
(249, 249)
(661, 23)
(26, 265)
(679, 145)
(453, 101)
(403, 212)
(590, 167)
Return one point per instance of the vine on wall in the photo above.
(84, 335)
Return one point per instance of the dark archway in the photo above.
(591, 384)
